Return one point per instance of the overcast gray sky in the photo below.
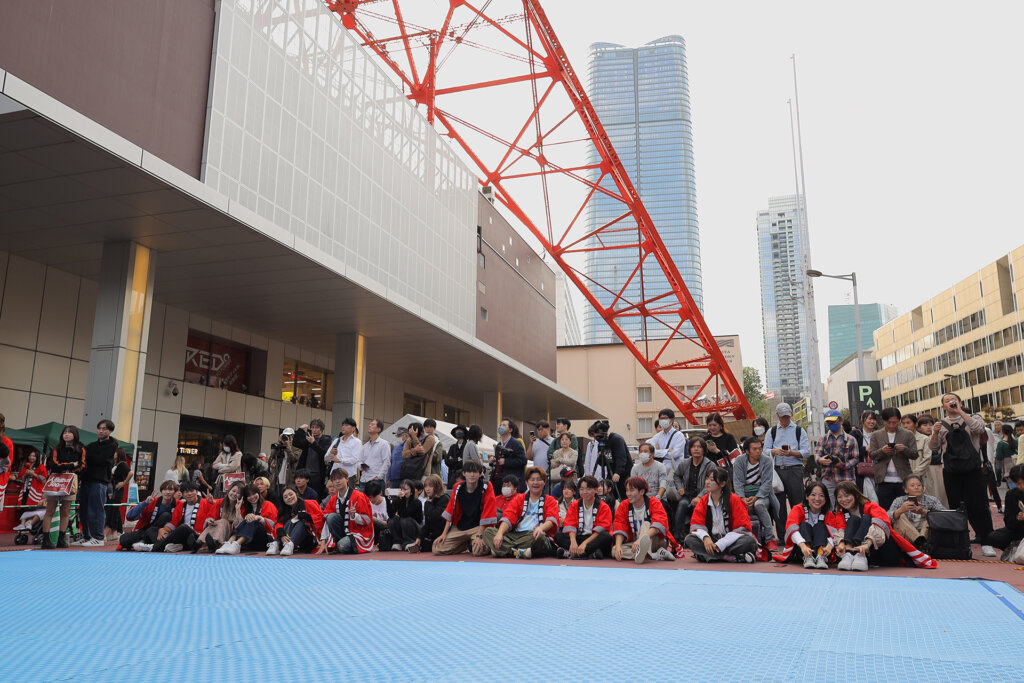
(911, 114)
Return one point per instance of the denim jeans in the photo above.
(92, 513)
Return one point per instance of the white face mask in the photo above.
(506, 490)
(759, 430)
(227, 449)
(665, 423)
(645, 457)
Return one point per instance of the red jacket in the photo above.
(514, 511)
(177, 517)
(655, 512)
(35, 487)
(267, 511)
(314, 511)
(6, 476)
(360, 519)
(488, 505)
(211, 511)
(797, 516)
(739, 518)
(879, 518)
(602, 521)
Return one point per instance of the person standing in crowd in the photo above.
(509, 455)
(562, 426)
(471, 449)
(92, 494)
(651, 470)
(299, 524)
(1018, 430)
(67, 457)
(1006, 449)
(594, 464)
(761, 428)
(375, 454)
(284, 459)
(6, 458)
(348, 519)
(415, 452)
(344, 452)
(197, 477)
(811, 527)
(229, 461)
(892, 449)
(453, 458)
(1012, 532)
(669, 449)
(720, 528)
(153, 515)
(471, 508)
(988, 458)
(868, 424)
(259, 517)
(721, 444)
(540, 443)
(958, 438)
(588, 518)
(788, 445)
(179, 472)
(527, 527)
(317, 445)
(909, 512)
(922, 465)
(934, 484)
(395, 471)
(613, 447)
(120, 479)
(836, 453)
(640, 526)
(433, 514)
(753, 476)
(404, 525)
(436, 453)
(688, 481)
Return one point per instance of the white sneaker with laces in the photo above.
(665, 555)
(395, 547)
(860, 563)
(846, 562)
(81, 542)
(988, 551)
(288, 549)
(223, 549)
(643, 549)
(93, 543)
(273, 548)
(821, 562)
(810, 563)
(141, 547)
(232, 548)
(173, 548)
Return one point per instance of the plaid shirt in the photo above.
(843, 446)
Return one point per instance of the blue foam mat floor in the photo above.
(131, 617)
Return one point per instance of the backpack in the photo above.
(775, 430)
(948, 537)
(959, 454)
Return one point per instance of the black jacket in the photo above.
(622, 464)
(315, 459)
(433, 521)
(515, 463)
(64, 459)
(99, 461)
(410, 508)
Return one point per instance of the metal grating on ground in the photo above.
(131, 617)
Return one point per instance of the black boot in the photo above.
(62, 539)
(48, 543)
(213, 544)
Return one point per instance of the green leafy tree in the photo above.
(753, 389)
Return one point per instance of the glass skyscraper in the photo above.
(842, 330)
(642, 97)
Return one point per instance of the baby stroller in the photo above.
(30, 528)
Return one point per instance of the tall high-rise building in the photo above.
(642, 96)
(842, 329)
(567, 325)
(782, 251)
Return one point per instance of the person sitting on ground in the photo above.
(380, 508)
(224, 516)
(471, 507)
(863, 530)
(909, 512)
(302, 487)
(153, 514)
(753, 476)
(565, 500)
(588, 518)
(528, 525)
(640, 527)
(68, 457)
(181, 534)
(299, 524)
(651, 470)
(689, 481)
(720, 527)
(566, 475)
(1012, 532)
(404, 525)
(348, 524)
(259, 517)
(263, 485)
(509, 486)
(434, 506)
(811, 527)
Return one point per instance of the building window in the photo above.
(305, 385)
(483, 313)
(645, 425)
(481, 286)
(643, 395)
(481, 260)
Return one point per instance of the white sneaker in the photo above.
(821, 562)
(665, 555)
(643, 549)
(988, 551)
(273, 548)
(232, 548)
(810, 562)
(396, 546)
(81, 542)
(223, 549)
(93, 543)
(141, 547)
(860, 563)
(846, 562)
(173, 548)
(288, 549)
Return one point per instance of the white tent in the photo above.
(444, 432)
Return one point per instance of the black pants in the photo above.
(889, 555)
(1004, 538)
(684, 510)
(792, 477)
(993, 486)
(967, 489)
(887, 492)
(603, 542)
(182, 535)
(856, 530)
(252, 535)
(741, 546)
(404, 530)
(815, 536)
(147, 535)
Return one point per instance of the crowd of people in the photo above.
(853, 498)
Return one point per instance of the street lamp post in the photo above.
(852, 277)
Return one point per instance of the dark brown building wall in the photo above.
(519, 296)
(138, 67)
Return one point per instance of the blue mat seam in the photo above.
(1003, 599)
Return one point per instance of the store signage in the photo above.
(218, 364)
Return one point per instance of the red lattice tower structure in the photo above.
(534, 137)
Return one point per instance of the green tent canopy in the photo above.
(46, 436)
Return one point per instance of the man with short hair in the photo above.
(345, 450)
(471, 508)
(788, 444)
(539, 444)
(509, 456)
(614, 447)
(317, 445)
(891, 448)
(153, 515)
(302, 487)
(375, 456)
(395, 470)
(189, 512)
(641, 526)
(528, 525)
(651, 470)
(588, 518)
(669, 443)
(689, 482)
(562, 425)
(837, 454)
(752, 476)
(432, 461)
(348, 523)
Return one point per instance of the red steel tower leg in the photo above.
(533, 135)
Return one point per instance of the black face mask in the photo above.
(459, 435)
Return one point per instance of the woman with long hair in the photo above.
(864, 530)
(179, 472)
(720, 526)
(32, 476)
(226, 515)
(811, 528)
(721, 444)
(68, 457)
(259, 517)
(433, 514)
(299, 524)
